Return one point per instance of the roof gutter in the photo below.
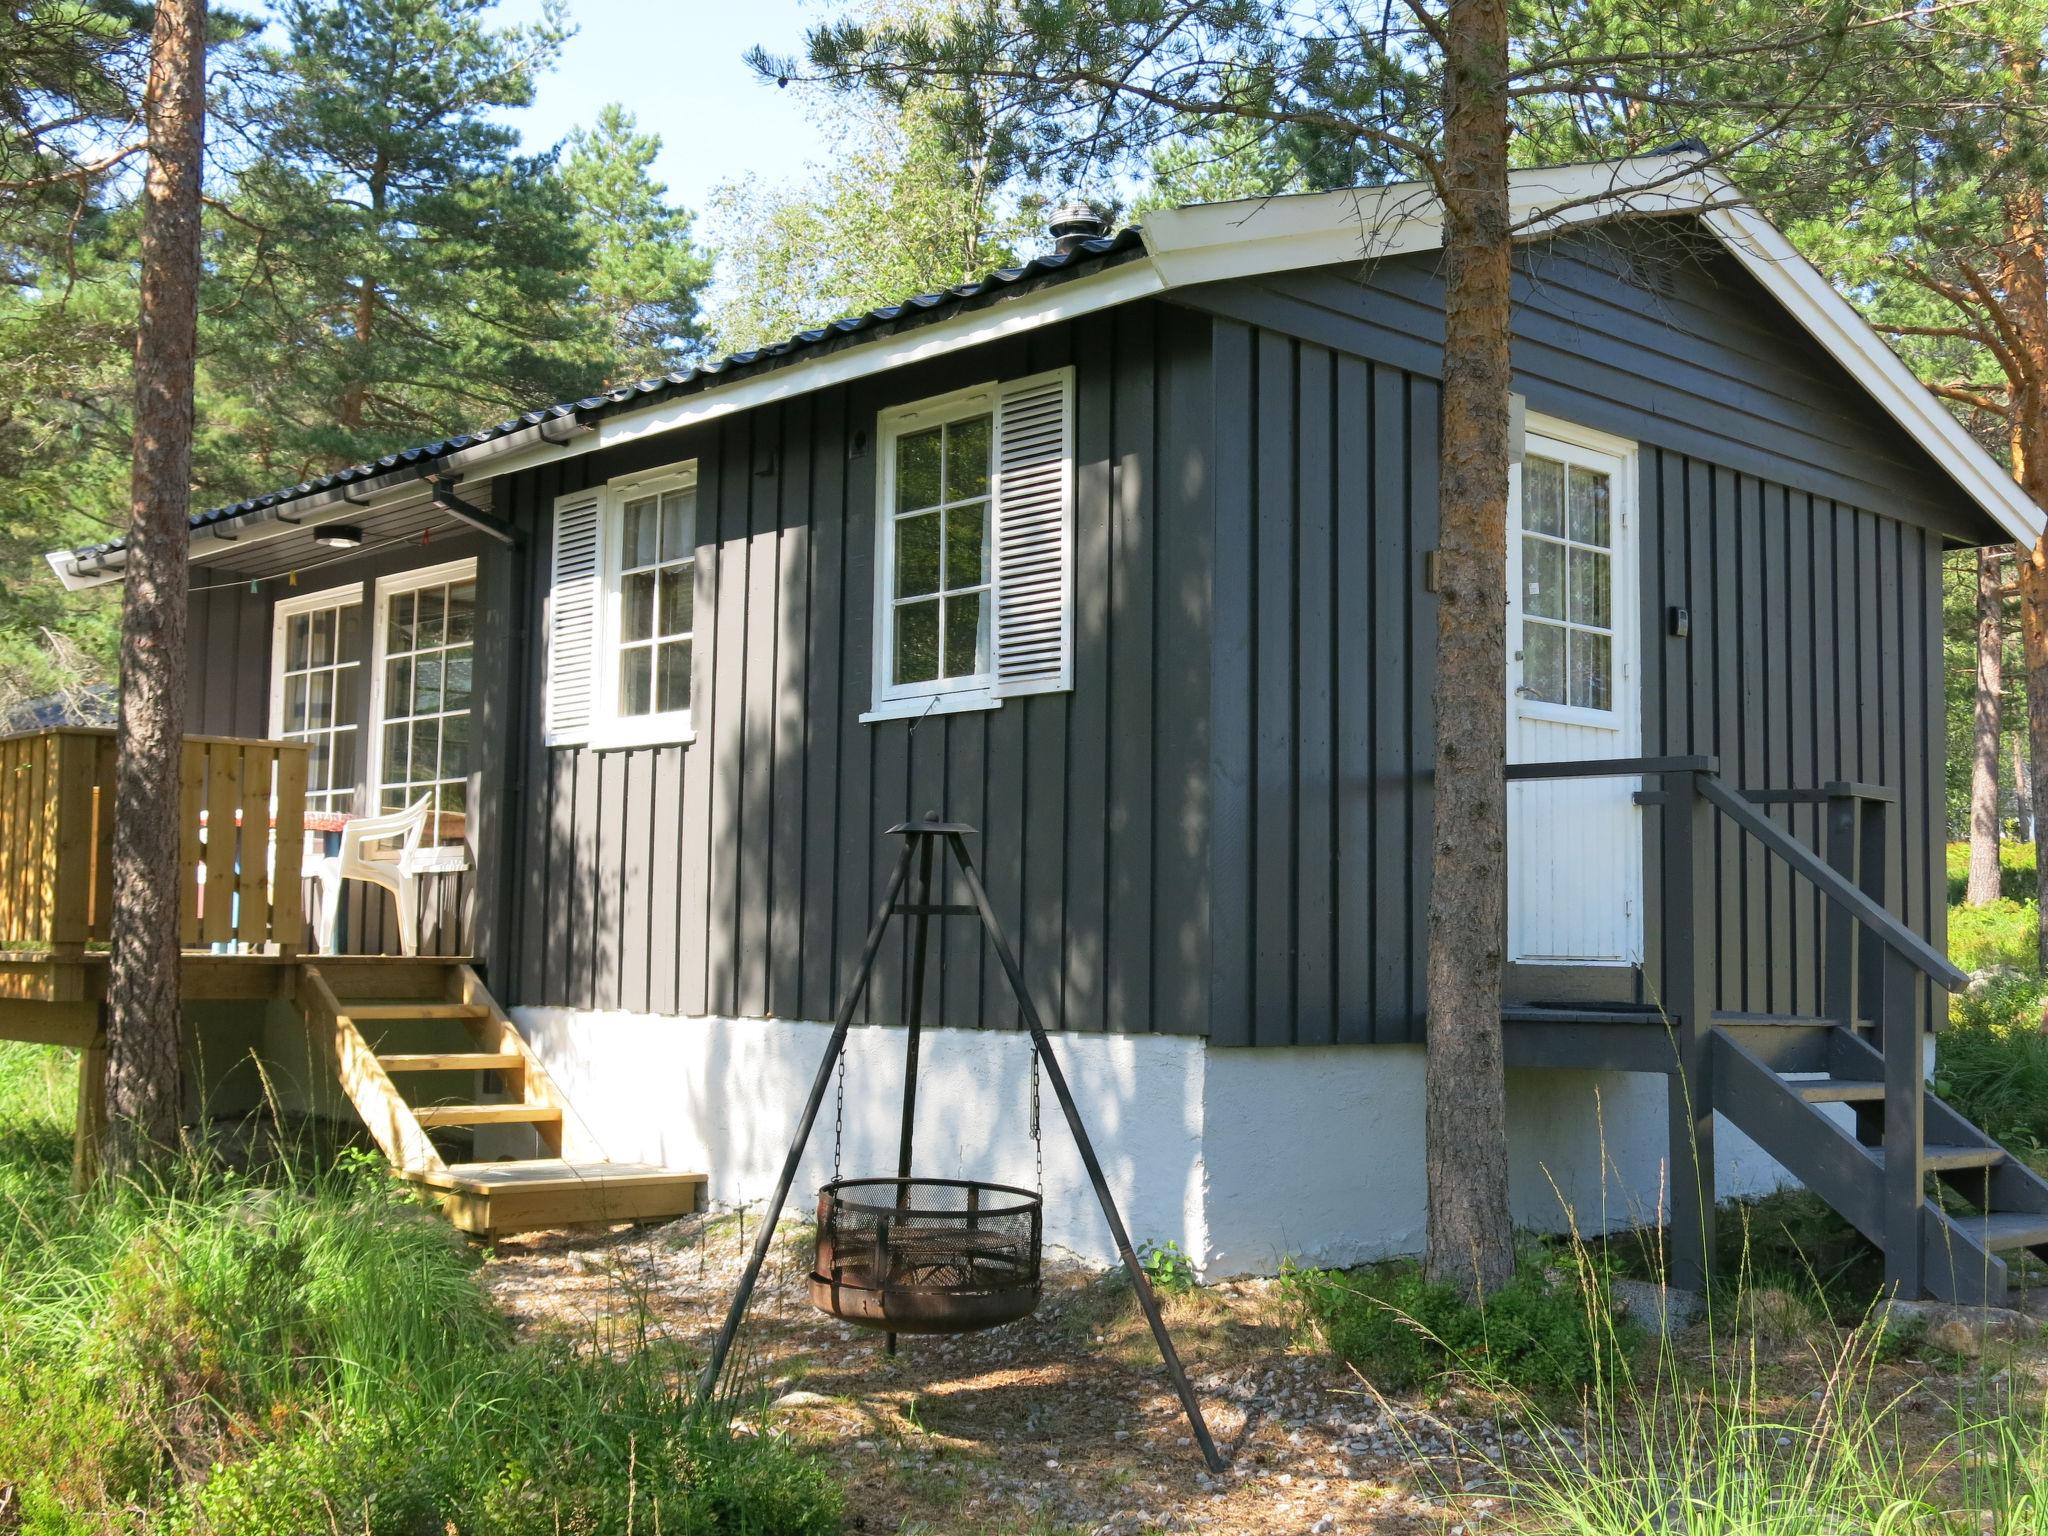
(79, 572)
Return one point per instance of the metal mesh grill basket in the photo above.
(926, 1255)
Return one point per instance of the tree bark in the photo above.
(2023, 275)
(1984, 871)
(143, 1087)
(2023, 790)
(1471, 1239)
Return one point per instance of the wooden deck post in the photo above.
(91, 1124)
(1688, 922)
(1839, 980)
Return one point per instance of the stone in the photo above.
(1983, 980)
(1660, 1308)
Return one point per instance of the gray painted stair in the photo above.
(1774, 1079)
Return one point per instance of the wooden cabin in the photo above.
(1123, 556)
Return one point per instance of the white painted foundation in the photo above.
(1242, 1157)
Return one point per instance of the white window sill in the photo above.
(931, 704)
(653, 731)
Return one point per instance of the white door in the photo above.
(1575, 846)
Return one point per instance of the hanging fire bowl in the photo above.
(926, 1255)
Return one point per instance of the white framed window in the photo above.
(622, 612)
(974, 547)
(424, 661)
(1570, 591)
(316, 688)
(936, 565)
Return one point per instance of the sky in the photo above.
(676, 65)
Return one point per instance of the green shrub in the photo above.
(1549, 1337)
(1999, 933)
(1168, 1267)
(305, 1349)
(1991, 1063)
(2016, 875)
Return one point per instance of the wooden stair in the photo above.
(1773, 1079)
(493, 1084)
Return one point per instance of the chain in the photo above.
(1037, 1140)
(839, 1117)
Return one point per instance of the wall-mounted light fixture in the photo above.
(338, 536)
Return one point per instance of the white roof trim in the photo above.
(1218, 241)
(1848, 338)
(1215, 242)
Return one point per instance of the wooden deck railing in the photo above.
(239, 881)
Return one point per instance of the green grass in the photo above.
(1540, 1333)
(305, 1349)
(2015, 871)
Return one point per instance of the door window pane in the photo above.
(1592, 667)
(1567, 516)
(1543, 496)
(322, 652)
(1543, 662)
(1542, 578)
(429, 667)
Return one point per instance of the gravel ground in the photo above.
(1063, 1422)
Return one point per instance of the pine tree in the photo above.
(144, 1008)
(390, 267)
(644, 277)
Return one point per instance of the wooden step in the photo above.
(364, 1013)
(456, 1061)
(493, 1199)
(1837, 1090)
(1941, 1158)
(2001, 1230)
(486, 1114)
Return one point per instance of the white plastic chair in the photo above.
(394, 875)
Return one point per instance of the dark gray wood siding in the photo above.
(737, 875)
(1795, 523)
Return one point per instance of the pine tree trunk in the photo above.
(2033, 585)
(1471, 1239)
(1984, 876)
(143, 1088)
(2023, 275)
(2023, 790)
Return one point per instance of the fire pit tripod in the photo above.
(916, 1255)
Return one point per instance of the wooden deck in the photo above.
(373, 1018)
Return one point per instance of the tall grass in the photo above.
(302, 1348)
(1766, 1419)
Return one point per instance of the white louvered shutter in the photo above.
(575, 607)
(1034, 528)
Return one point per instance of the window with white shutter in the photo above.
(622, 612)
(974, 540)
(575, 611)
(1034, 519)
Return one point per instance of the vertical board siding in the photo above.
(1814, 655)
(1324, 655)
(737, 875)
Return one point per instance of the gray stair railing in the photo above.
(1871, 970)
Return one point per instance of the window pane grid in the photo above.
(940, 551)
(322, 654)
(657, 603)
(429, 656)
(1567, 585)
